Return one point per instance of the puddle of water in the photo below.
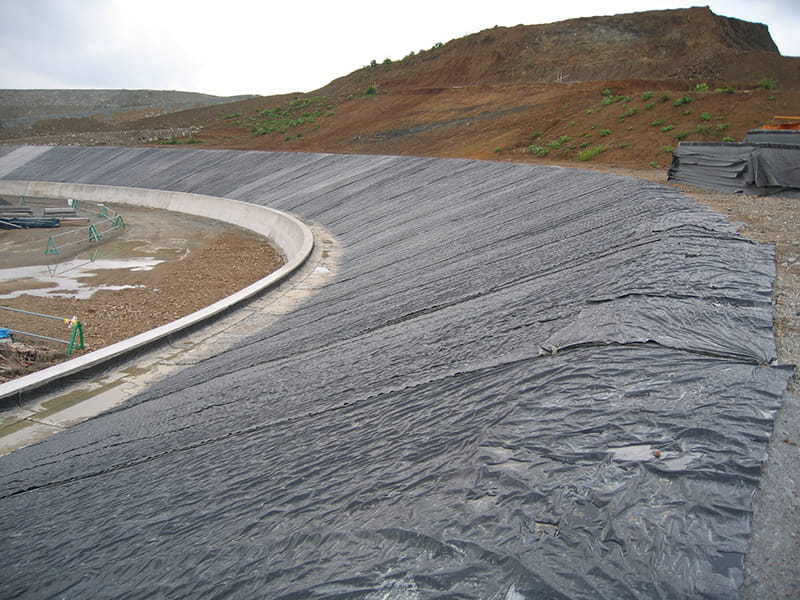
(67, 279)
(74, 407)
(637, 452)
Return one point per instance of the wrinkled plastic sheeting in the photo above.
(524, 382)
(773, 136)
(757, 169)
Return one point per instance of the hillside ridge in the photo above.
(616, 90)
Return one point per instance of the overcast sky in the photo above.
(272, 47)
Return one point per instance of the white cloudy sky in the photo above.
(271, 47)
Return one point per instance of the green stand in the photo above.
(51, 247)
(93, 235)
(77, 333)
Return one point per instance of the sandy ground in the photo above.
(167, 264)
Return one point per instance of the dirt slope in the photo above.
(629, 88)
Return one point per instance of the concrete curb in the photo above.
(290, 235)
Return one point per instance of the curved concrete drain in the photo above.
(312, 255)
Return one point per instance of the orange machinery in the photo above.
(783, 123)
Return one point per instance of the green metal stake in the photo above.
(77, 332)
(51, 247)
(118, 223)
(93, 235)
(22, 200)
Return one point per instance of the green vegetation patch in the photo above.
(302, 111)
(590, 153)
(538, 150)
(767, 84)
(700, 129)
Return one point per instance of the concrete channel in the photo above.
(30, 415)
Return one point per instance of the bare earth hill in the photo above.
(619, 90)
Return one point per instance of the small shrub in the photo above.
(667, 128)
(171, 142)
(767, 84)
(498, 149)
(701, 87)
(628, 113)
(585, 144)
(538, 150)
(590, 111)
(647, 95)
(726, 90)
(687, 112)
(699, 129)
(537, 135)
(629, 128)
(648, 106)
(613, 99)
(564, 139)
(721, 127)
(371, 91)
(683, 100)
(231, 116)
(771, 98)
(653, 164)
(705, 116)
(605, 132)
(194, 140)
(624, 145)
(667, 149)
(590, 153)
(587, 134)
(728, 139)
(657, 123)
(665, 97)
